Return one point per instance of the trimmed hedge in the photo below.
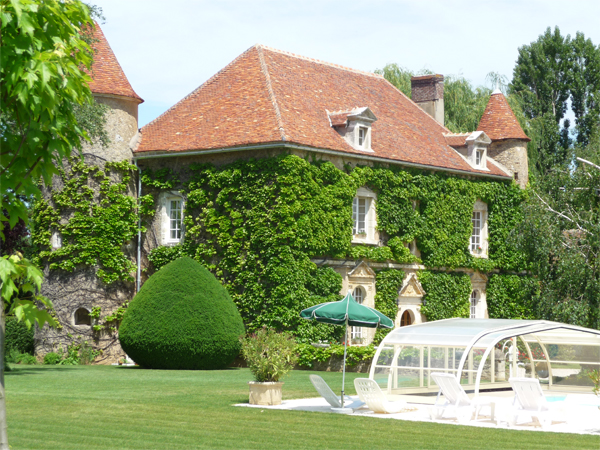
(18, 336)
(182, 318)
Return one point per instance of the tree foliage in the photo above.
(561, 237)
(463, 103)
(550, 73)
(43, 58)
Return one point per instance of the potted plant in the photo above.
(270, 356)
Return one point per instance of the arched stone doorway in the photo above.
(406, 319)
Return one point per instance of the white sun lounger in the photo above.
(325, 391)
(457, 400)
(530, 400)
(369, 391)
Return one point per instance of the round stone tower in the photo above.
(76, 293)
(509, 142)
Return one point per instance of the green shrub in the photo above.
(16, 357)
(18, 336)
(307, 354)
(182, 318)
(270, 355)
(52, 358)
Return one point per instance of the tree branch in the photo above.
(562, 215)
(585, 161)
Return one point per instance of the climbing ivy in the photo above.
(446, 294)
(95, 216)
(388, 283)
(256, 224)
(512, 296)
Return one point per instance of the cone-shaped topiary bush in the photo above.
(182, 318)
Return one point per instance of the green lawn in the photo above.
(99, 407)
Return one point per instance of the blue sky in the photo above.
(169, 48)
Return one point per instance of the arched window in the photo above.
(82, 317)
(474, 300)
(357, 332)
(406, 319)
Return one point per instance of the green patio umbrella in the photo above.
(346, 312)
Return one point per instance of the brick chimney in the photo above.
(428, 93)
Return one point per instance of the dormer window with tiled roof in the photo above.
(354, 126)
(477, 146)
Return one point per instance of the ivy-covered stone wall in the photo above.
(91, 207)
(260, 224)
(257, 224)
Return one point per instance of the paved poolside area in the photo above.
(578, 414)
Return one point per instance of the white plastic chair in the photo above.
(530, 400)
(457, 400)
(325, 391)
(369, 391)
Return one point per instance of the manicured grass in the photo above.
(99, 407)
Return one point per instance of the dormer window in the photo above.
(362, 136)
(354, 126)
(477, 145)
(478, 157)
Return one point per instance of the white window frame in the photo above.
(168, 220)
(473, 301)
(367, 235)
(479, 157)
(478, 242)
(360, 294)
(363, 137)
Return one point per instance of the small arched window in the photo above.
(82, 317)
(474, 299)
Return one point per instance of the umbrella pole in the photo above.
(344, 369)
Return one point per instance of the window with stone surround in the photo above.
(478, 245)
(172, 206)
(364, 217)
(82, 317)
(473, 301)
(356, 334)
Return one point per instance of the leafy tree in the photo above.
(463, 103)
(44, 55)
(549, 73)
(561, 237)
(585, 89)
(42, 80)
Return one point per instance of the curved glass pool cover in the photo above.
(485, 353)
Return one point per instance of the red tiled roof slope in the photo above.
(267, 96)
(457, 140)
(107, 75)
(499, 121)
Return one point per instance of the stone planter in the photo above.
(267, 393)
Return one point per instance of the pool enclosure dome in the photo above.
(485, 353)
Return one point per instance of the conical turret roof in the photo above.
(107, 75)
(499, 121)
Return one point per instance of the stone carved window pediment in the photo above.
(411, 287)
(478, 278)
(362, 270)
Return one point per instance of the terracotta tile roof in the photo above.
(269, 96)
(107, 75)
(456, 139)
(499, 121)
(339, 118)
